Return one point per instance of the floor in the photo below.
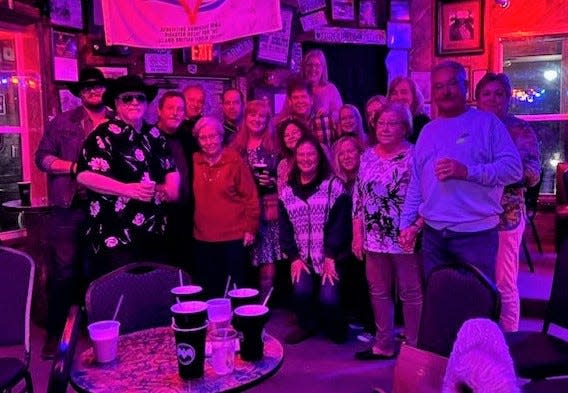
(317, 365)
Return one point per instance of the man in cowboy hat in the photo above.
(129, 172)
(57, 155)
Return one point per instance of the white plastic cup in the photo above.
(104, 335)
(223, 346)
(219, 313)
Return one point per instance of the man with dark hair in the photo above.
(171, 112)
(232, 102)
(462, 162)
(57, 155)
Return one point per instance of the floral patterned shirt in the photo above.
(118, 151)
(378, 197)
(513, 200)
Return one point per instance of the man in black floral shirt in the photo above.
(129, 172)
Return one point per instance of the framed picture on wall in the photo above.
(114, 71)
(342, 11)
(66, 13)
(274, 48)
(2, 104)
(368, 14)
(459, 27)
(65, 57)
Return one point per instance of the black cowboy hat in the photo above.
(127, 83)
(88, 77)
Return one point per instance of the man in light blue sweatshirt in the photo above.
(462, 161)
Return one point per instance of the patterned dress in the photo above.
(116, 150)
(266, 248)
(378, 197)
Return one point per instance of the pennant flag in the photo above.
(183, 23)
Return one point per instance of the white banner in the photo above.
(183, 23)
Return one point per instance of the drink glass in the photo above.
(104, 335)
(190, 351)
(219, 313)
(189, 315)
(223, 346)
(250, 321)
(186, 293)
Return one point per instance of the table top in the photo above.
(37, 206)
(146, 362)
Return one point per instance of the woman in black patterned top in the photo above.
(129, 172)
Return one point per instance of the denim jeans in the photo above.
(475, 248)
(312, 301)
(382, 271)
(66, 250)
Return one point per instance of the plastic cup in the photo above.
(190, 315)
(190, 351)
(242, 296)
(104, 335)
(219, 313)
(186, 293)
(250, 322)
(24, 189)
(223, 346)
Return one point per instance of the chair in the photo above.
(16, 287)
(531, 205)
(454, 294)
(547, 386)
(147, 298)
(61, 366)
(561, 203)
(539, 355)
(417, 370)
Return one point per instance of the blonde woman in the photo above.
(346, 159)
(404, 90)
(256, 143)
(351, 123)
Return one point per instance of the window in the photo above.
(535, 66)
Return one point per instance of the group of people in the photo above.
(349, 203)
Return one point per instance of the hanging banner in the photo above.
(183, 23)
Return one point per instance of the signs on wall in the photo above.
(178, 24)
(274, 48)
(236, 50)
(65, 63)
(340, 35)
(158, 63)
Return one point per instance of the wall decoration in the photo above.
(311, 21)
(67, 100)
(113, 72)
(475, 78)
(65, 64)
(160, 62)
(274, 48)
(66, 13)
(399, 35)
(2, 104)
(233, 51)
(459, 27)
(296, 57)
(7, 55)
(307, 6)
(342, 10)
(422, 80)
(368, 16)
(341, 35)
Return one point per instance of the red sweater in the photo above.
(226, 200)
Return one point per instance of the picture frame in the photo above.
(368, 14)
(2, 104)
(114, 71)
(459, 27)
(274, 48)
(342, 11)
(65, 56)
(66, 13)
(307, 6)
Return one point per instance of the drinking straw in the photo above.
(118, 307)
(180, 278)
(235, 286)
(267, 296)
(227, 286)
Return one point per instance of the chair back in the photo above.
(417, 370)
(557, 309)
(561, 191)
(454, 294)
(147, 299)
(531, 197)
(61, 366)
(16, 286)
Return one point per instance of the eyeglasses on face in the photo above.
(385, 124)
(95, 88)
(128, 98)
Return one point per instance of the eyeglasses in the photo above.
(96, 89)
(385, 124)
(207, 138)
(128, 98)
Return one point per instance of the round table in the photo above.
(146, 362)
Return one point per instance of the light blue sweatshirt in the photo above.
(479, 141)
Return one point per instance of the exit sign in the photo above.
(202, 53)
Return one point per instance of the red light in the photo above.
(202, 52)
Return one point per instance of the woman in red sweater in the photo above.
(226, 210)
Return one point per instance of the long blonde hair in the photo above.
(321, 57)
(243, 135)
(359, 130)
(339, 172)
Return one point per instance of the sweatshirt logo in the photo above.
(462, 138)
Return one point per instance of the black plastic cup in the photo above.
(24, 189)
(250, 322)
(190, 351)
(187, 293)
(189, 315)
(243, 296)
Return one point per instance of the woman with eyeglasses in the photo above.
(380, 189)
(227, 212)
(404, 90)
(256, 143)
(128, 171)
(314, 233)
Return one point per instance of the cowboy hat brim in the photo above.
(129, 83)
